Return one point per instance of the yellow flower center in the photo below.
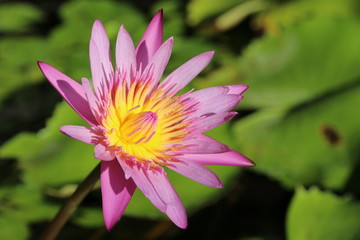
(139, 127)
(144, 124)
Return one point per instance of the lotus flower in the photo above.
(139, 124)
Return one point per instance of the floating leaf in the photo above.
(316, 215)
(8, 229)
(50, 158)
(17, 68)
(292, 12)
(313, 144)
(302, 63)
(17, 17)
(198, 10)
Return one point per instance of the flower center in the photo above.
(144, 125)
(139, 127)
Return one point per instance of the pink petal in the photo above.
(90, 96)
(151, 41)
(201, 145)
(217, 104)
(160, 60)
(237, 89)
(84, 134)
(142, 182)
(196, 172)
(70, 90)
(177, 215)
(175, 209)
(116, 192)
(216, 99)
(206, 93)
(210, 121)
(125, 53)
(230, 157)
(102, 153)
(100, 57)
(179, 78)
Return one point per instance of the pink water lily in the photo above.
(139, 124)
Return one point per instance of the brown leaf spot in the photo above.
(331, 135)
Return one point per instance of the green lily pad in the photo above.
(18, 17)
(313, 144)
(301, 63)
(18, 69)
(198, 10)
(48, 157)
(286, 15)
(316, 215)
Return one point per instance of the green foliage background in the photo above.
(299, 121)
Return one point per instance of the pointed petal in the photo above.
(116, 192)
(84, 134)
(102, 153)
(216, 99)
(142, 182)
(175, 209)
(100, 57)
(204, 94)
(160, 60)
(196, 172)
(70, 90)
(217, 104)
(198, 144)
(210, 121)
(151, 41)
(177, 215)
(125, 53)
(179, 78)
(230, 157)
(237, 89)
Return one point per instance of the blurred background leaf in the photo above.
(18, 17)
(322, 215)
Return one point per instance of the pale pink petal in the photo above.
(125, 53)
(204, 94)
(230, 157)
(102, 153)
(207, 93)
(70, 90)
(142, 182)
(195, 172)
(90, 96)
(177, 214)
(216, 99)
(237, 89)
(116, 192)
(198, 144)
(179, 78)
(210, 121)
(175, 209)
(84, 134)
(217, 104)
(160, 60)
(151, 41)
(100, 57)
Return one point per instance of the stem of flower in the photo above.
(71, 204)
